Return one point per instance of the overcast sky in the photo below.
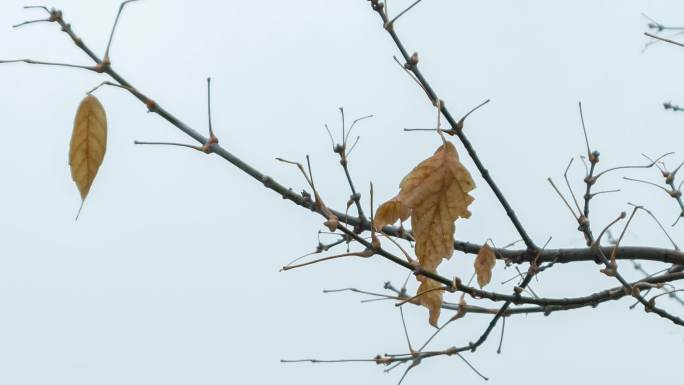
(170, 276)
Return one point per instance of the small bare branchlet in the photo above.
(344, 150)
(673, 107)
(208, 146)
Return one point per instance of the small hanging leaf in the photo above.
(88, 144)
(484, 263)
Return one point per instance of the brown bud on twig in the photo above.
(594, 157)
(382, 360)
(55, 15)
(414, 59)
(151, 105)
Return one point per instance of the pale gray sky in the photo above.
(171, 274)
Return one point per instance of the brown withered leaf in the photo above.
(484, 263)
(88, 144)
(435, 193)
(432, 299)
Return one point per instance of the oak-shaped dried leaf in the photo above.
(436, 191)
(434, 194)
(484, 263)
(432, 299)
(88, 143)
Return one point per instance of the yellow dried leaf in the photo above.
(431, 299)
(88, 143)
(484, 263)
(435, 195)
(389, 212)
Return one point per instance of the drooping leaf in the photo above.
(484, 263)
(431, 299)
(437, 192)
(88, 144)
(434, 194)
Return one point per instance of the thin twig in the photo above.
(37, 62)
(663, 39)
(106, 58)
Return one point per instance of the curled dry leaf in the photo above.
(461, 312)
(484, 263)
(389, 212)
(88, 144)
(434, 194)
(432, 299)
